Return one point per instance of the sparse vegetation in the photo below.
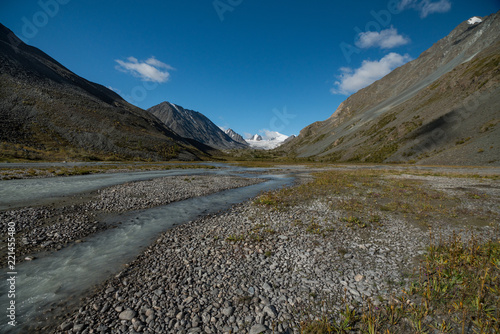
(462, 141)
(353, 221)
(368, 195)
(382, 153)
(489, 125)
(456, 290)
(457, 286)
(380, 124)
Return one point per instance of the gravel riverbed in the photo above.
(52, 227)
(253, 269)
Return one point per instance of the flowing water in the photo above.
(19, 193)
(64, 276)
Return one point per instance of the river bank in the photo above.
(30, 170)
(288, 257)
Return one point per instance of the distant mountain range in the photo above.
(194, 125)
(442, 108)
(48, 112)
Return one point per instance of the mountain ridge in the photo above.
(235, 136)
(49, 112)
(193, 124)
(360, 128)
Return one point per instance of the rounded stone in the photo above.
(127, 315)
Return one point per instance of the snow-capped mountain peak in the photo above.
(268, 141)
(474, 20)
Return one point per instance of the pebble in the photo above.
(257, 329)
(270, 310)
(78, 328)
(66, 325)
(228, 311)
(127, 315)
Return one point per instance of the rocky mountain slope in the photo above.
(48, 112)
(442, 108)
(235, 136)
(194, 125)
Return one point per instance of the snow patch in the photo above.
(474, 20)
(183, 111)
(176, 108)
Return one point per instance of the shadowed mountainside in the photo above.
(48, 112)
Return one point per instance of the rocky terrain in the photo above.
(235, 136)
(268, 265)
(441, 108)
(53, 227)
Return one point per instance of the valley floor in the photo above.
(290, 259)
(294, 260)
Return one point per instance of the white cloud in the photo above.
(350, 81)
(405, 4)
(150, 70)
(385, 39)
(156, 63)
(268, 134)
(426, 7)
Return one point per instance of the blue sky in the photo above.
(251, 65)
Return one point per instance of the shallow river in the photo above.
(63, 277)
(24, 192)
